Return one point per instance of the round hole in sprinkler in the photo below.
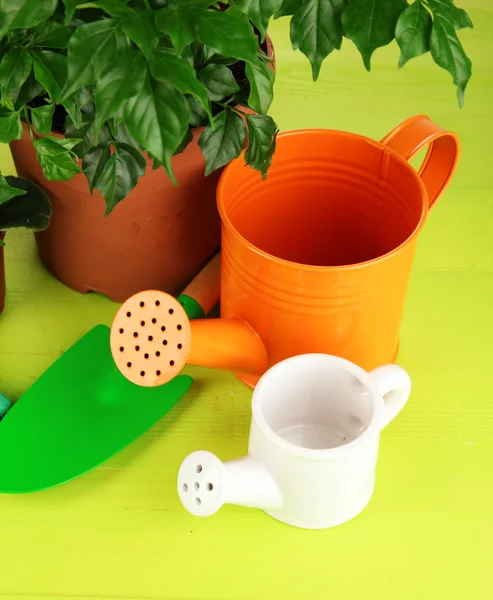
(171, 363)
(210, 487)
(180, 346)
(142, 373)
(137, 348)
(136, 334)
(165, 342)
(199, 469)
(184, 487)
(163, 328)
(150, 338)
(146, 356)
(158, 373)
(171, 311)
(129, 314)
(121, 330)
(157, 303)
(178, 327)
(142, 304)
(142, 323)
(129, 365)
(198, 501)
(158, 353)
(153, 320)
(122, 348)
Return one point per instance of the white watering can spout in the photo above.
(205, 484)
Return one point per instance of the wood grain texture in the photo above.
(121, 533)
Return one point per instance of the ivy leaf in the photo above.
(287, 8)
(70, 6)
(22, 14)
(120, 175)
(261, 78)
(228, 33)
(115, 8)
(91, 49)
(139, 26)
(371, 24)
(66, 142)
(73, 105)
(167, 67)
(157, 118)
(117, 85)
(262, 134)
(29, 90)
(42, 118)
(316, 30)
(56, 161)
(14, 70)
(223, 143)
(179, 23)
(94, 163)
(51, 35)
(413, 31)
(10, 127)
(31, 209)
(50, 69)
(185, 141)
(451, 13)
(448, 53)
(259, 12)
(198, 116)
(219, 81)
(7, 191)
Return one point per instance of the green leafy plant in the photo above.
(118, 79)
(22, 204)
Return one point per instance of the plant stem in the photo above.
(28, 122)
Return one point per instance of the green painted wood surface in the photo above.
(120, 532)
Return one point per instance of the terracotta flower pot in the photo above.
(2, 275)
(158, 237)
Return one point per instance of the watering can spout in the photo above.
(205, 484)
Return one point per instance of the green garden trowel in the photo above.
(82, 410)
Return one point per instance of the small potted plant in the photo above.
(22, 204)
(125, 112)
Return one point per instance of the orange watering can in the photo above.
(316, 259)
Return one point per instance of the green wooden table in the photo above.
(120, 532)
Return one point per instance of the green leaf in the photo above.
(94, 163)
(86, 132)
(117, 85)
(51, 35)
(261, 78)
(139, 26)
(92, 49)
(451, 13)
(198, 115)
(30, 209)
(120, 175)
(225, 142)
(56, 161)
(448, 53)
(42, 117)
(413, 31)
(14, 70)
(371, 24)
(259, 12)
(115, 8)
(219, 81)
(316, 30)
(185, 141)
(73, 105)
(179, 23)
(10, 127)
(262, 134)
(50, 69)
(121, 134)
(157, 118)
(66, 142)
(22, 14)
(287, 8)
(70, 6)
(228, 33)
(167, 67)
(7, 191)
(29, 90)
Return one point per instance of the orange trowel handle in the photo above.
(229, 344)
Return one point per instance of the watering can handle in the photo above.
(202, 294)
(408, 138)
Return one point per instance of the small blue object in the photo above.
(5, 406)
